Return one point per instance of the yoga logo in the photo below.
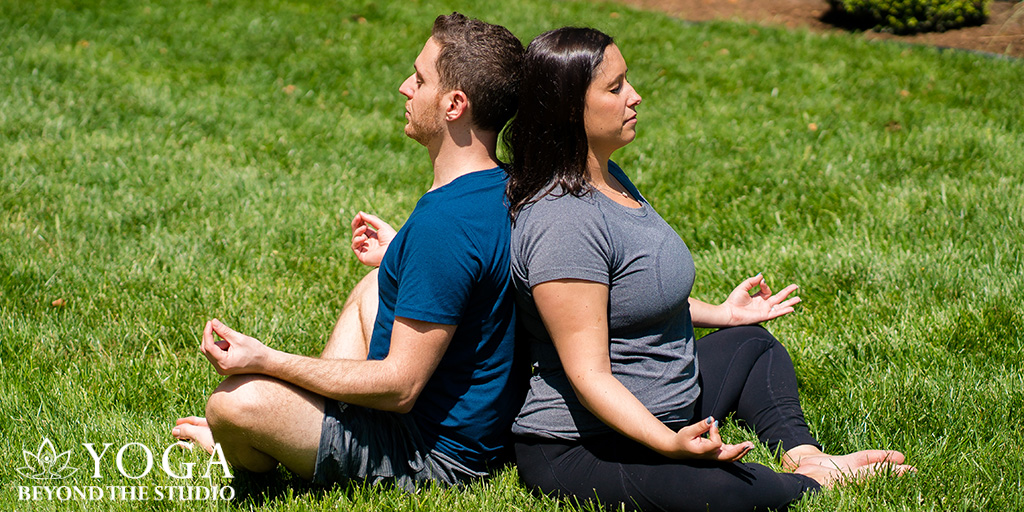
(132, 462)
(46, 463)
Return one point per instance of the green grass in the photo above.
(165, 162)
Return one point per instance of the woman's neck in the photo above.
(597, 167)
(602, 180)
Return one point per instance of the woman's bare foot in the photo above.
(828, 476)
(808, 455)
(195, 430)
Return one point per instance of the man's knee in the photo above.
(365, 291)
(238, 401)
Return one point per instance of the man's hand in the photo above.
(231, 352)
(370, 238)
(690, 443)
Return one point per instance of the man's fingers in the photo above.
(207, 337)
(358, 241)
(226, 333)
(373, 220)
(357, 220)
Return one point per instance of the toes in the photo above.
(872, 456)
(197, 434)
(885, 469)
(192, 420)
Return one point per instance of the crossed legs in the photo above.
(746, 370)
(261, 421)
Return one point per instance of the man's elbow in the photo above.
(403, 396)
(404, 390)
(401, 402)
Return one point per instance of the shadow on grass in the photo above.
(260, 489)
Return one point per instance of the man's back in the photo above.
(449, 264)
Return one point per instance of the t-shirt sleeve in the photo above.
(565, 238)
(440, 268)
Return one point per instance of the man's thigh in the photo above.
(259, 420)
(350, 338)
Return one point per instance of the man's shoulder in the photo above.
(473, 204)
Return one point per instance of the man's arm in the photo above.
(391, 384)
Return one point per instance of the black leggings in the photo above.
(743, 370)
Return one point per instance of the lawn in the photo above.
(165, 162)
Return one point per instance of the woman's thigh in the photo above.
(745, 371)
(614, 470)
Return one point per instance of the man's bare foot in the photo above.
(828, 477)
(807, 455)
(195, 430)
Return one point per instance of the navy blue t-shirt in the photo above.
(449, 264)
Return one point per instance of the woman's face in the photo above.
(610, 106)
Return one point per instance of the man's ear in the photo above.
(455, 105)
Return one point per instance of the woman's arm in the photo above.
(575, 313)
(740, 308)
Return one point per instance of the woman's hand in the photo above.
(690, 443)
(745, 309)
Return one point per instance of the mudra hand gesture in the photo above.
(747, 309)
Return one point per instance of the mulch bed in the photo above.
(1002, 34)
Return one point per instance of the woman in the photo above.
(623, 403)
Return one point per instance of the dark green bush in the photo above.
(911, 16)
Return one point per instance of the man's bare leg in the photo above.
(350, 338)
(260, 422)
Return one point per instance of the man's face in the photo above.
(423, 88)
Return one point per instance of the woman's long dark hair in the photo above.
(547, 140)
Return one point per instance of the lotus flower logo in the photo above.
(46, 463)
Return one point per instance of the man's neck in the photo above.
(452, 160)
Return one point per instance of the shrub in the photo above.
(911, 16)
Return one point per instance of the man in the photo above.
(418, 390)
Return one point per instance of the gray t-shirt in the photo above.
(650, 273)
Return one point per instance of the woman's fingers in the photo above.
(734, 452)
(786, 292)
(698, 429)
(713, 434)
(725, 452)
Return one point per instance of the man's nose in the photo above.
(406, 87)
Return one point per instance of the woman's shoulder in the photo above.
(558, 202)
(562, 218)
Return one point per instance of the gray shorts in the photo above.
(378, 447)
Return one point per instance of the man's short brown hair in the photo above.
(483, 61)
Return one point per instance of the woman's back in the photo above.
(649, 271)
